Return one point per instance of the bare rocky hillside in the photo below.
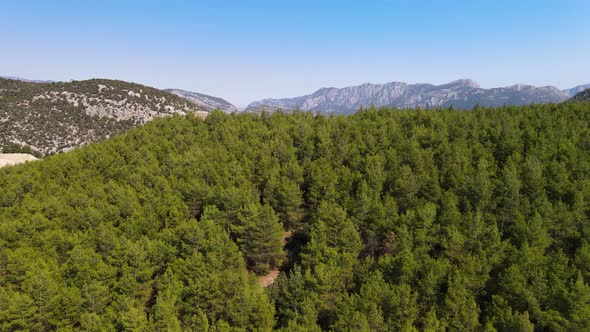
(208, 102)
(55, 117)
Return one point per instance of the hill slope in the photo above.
(401, 220)
(462, 94)
(54, 117)
(577, 89)
(209, 102)
(582, 96)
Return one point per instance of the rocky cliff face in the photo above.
(208, 102)
(459, 94)
(54, 117)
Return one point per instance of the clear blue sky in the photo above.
(247, 50)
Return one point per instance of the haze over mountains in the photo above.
(582, 96)
(462, 94)
(26, 80)
(575, 90)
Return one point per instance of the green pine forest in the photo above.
(385, 220)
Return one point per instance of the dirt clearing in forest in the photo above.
(269, 278)
(14, 158)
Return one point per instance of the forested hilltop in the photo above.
(55, 117)
(400, 220)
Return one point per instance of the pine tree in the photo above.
(259, 234)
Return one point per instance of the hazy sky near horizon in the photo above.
(248, 50)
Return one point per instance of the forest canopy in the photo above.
(398, 220)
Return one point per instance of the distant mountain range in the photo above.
(26, 80)
(54, 117)
(209, 102)
(461, 94)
